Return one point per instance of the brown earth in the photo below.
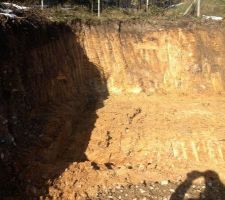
(86, 107)
(146, 138)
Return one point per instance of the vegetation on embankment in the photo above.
(71, 10)
(208, 7)
(83, 13)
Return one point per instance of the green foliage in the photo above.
(57, 13)
(208, 7)
(112, 13)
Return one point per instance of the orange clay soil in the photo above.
(140, 138)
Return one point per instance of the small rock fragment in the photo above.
(209, 184)
(187, 195)
(118, 187)
(172, 190)
(142, 191)
(165, 182)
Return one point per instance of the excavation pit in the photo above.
(87, 107)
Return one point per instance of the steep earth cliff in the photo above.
(47, 82)
(148, 57)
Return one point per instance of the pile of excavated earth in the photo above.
(111, 110)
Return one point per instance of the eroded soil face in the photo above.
(88, 108)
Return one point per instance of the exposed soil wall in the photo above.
(159, 56)
(46, 83)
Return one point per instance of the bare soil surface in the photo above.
(138, 142)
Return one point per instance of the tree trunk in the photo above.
(147, 3)
(189, 8)
(92, 6)
(42, 4)
(199, 8)
(99, 8)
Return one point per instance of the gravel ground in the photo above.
(212, 189)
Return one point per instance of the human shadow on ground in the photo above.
(214, 188)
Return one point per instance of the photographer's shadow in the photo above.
(214, 188)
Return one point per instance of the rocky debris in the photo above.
(158, 191)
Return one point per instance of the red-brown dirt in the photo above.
(146, 138)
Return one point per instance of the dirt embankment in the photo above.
(46, 83)
(56, 142)
(158, 56)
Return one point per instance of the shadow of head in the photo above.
(214, 188)
(210, 175)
